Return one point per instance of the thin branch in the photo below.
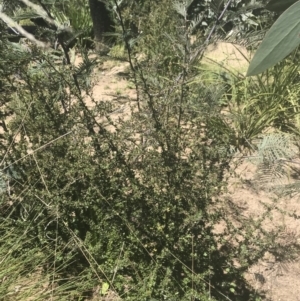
(15, 136)
(37, 149)
(43, 13)
(11, 23)
(218, 20)
(128, 48)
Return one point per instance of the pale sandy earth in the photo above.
(233, 57)
(278, 280)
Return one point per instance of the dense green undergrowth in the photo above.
(133, 213)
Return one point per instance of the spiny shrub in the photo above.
(135, 208)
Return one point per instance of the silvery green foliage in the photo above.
(6, 176)
(274, 147)
(8, 6)
(3, 184)
(277, 162)
(240, 18)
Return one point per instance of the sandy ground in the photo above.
(279, 280)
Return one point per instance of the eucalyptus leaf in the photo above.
(279, 42)
(279, 5)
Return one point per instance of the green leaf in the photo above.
(279, 5)
(104, 289)
(280, 41)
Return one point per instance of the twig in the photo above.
(116, 268)
(218, 20)
(11, 23)
(128, 48)
(37, 149)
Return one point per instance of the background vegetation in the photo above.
(136, 213)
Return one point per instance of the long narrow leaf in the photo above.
(280, 41)
(279, 5)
